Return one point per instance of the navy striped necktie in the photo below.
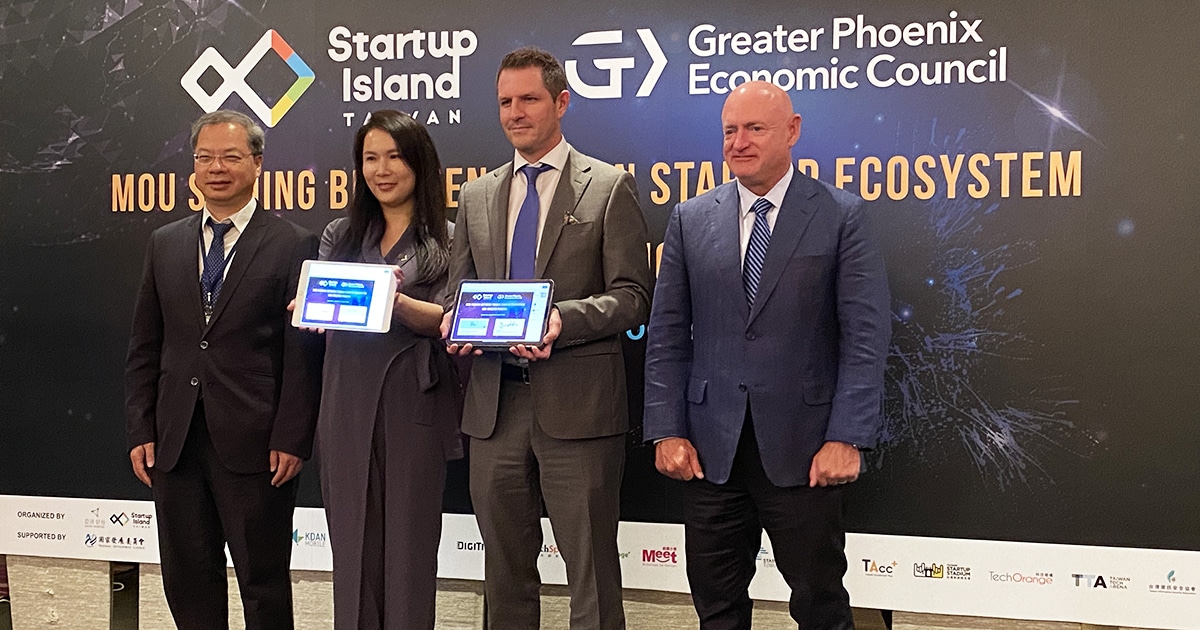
(214, 266)
(756, 250)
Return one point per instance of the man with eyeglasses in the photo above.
(221, 392)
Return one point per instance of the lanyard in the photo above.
(208, 293)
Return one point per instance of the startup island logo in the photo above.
(234, 78)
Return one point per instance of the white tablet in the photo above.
(495, 314)
(345, 296)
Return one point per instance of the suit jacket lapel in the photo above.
(790, 226)
(725, 233)
(571, 184)
(247, 245)
(189, 242)
(497, 219)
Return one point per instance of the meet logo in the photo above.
(234, 78)
(879, 569)
(1113, 582)
(615, 66)
(664, 556)
(1172, 586)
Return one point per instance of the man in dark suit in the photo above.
(221, 392)
(764, 368)
(547, 422)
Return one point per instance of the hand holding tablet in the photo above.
(498, 314)
(345, 296)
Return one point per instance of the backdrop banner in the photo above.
(1031, 172)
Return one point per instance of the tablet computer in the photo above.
(345, 296)
(495, 314)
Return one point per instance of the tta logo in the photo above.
(1100, 581)
(615, 65)
(234, 79)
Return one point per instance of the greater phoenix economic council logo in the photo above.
(615, 65)
(234, 79)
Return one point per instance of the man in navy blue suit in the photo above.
(768, 337)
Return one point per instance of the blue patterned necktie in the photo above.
(756, 250)
(522, 257)
(214, 266)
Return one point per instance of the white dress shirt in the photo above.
(746, 201)
(546, 184)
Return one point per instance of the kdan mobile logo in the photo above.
(234, 79)
(615, 65)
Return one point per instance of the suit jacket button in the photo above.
(195, 381)
(741, 387)
(751, 336)
(204, 345)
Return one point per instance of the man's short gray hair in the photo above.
(254, 133)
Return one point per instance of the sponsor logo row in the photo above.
(656, 556)
(95, 528)
(925, 570)
(1038, 578)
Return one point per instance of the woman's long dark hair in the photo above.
(429, 196)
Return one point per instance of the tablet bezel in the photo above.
(366, 271)
(499, 286)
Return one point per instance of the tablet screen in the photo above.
(498, 313)
(345, 296)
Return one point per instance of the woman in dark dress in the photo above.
(390, 403)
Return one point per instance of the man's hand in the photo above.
(285, 466)
(291, 308)
(142, 457)
(835, 464)
(676, 458)
(542, 352)
(464, 350)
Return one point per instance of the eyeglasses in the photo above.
(231, 159)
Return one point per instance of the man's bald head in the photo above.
(760, 128)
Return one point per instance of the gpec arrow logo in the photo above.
(615, 65)
(234, 79)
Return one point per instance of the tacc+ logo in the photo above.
(234, 78)
(882, 569)
(615, 65)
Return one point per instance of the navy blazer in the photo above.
(808, 356)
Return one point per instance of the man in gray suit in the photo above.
(547, 422)
(764, 368)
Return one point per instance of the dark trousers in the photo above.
(512, 473)
(723, 525)
(402, 524)
(201, 506)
